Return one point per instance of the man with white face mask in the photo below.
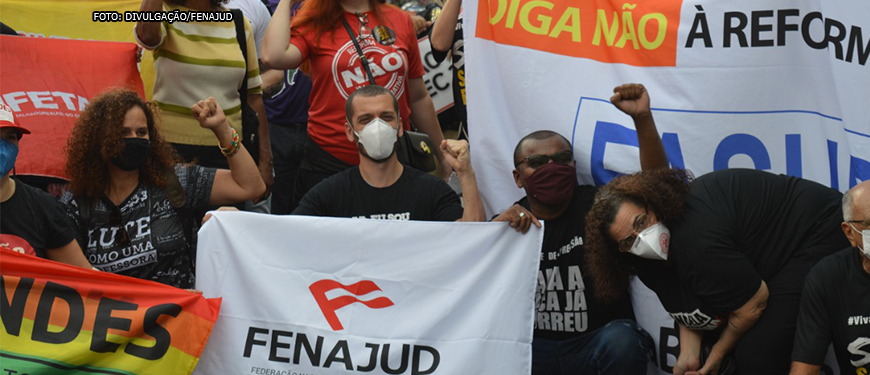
(835, 308)
(381, 187)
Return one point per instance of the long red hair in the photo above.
(324, 15)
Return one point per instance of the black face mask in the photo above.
(134, 154)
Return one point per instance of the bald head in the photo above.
(540, 135)
(856, 201)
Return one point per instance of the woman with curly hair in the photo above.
(133, 203)
(732, 246)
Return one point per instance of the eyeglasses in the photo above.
(865, 222)
(121, 236)
(364, 30)
(537, 161)
(640, 223)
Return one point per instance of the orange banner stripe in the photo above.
(185, 324)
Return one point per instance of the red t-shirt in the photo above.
(336, 72)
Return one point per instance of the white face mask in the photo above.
(865, 234)
(378, 138)
(652, 243)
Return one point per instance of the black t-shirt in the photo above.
(414, 196)
(458, 49)
(565, 303)
(33, 221)
(740, 227)
(835, 309)
(158, 247)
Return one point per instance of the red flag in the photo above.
(48, 83)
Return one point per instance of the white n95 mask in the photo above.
(378, 138)
(652, 242)
(865, 234)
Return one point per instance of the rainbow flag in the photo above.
(60, 319)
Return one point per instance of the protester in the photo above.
(258, 15)
(320, 38)
(132, 201)
(194, 60)
(834, 306)
(566, 333)
(447, 38)
(287, 110)
(731, 246)
(382, 188)
(33, 221)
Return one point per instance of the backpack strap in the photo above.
(239, 19)
(178, 200)
(173, 189)
(86, 207)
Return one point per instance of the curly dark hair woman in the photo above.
(662, 191)
(99, 137)
(132, 202)
(728, 246)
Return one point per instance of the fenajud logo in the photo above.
(306, 350)
(330, 306)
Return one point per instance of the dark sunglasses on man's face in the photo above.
(537, 161)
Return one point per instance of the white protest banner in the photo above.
(438, 77)
(307, 295)
(738, 83)
(755, 84)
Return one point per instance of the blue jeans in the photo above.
(620, 347)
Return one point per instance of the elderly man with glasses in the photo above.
(574, 332)
(834, 307)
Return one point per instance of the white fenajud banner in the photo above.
(770, 85)
(306, 295)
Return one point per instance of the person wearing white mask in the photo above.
(380, 187)
(834, 306)
(727, 255)
(591, 337)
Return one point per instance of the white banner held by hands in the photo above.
(310, 295)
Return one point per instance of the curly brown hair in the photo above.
(97, 138)
(663, 191)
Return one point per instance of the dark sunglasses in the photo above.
(121, 236)
(537, 161)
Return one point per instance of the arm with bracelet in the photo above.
(242, 181)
